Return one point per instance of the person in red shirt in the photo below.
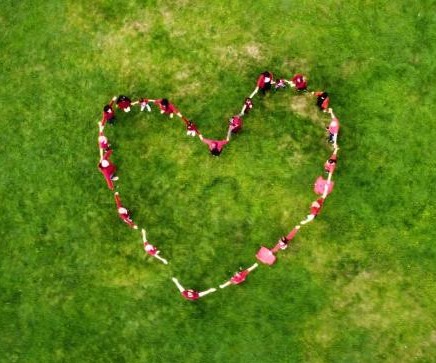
(108, 169)
(108, 113)
(283, 242)
(124, 103)
(143, 103)
(239, 277)
(167, 108)
(322, 100)
(123, 213)
(235, 124)
(190, 294)
(191, 128)
(150, 249)
(315, 209)
(299, 82)
(330, 164)
(215, 146)
(248, 105)
(264, 83)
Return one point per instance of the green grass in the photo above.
(356, 286)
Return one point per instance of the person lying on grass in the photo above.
(239, 277)
(166, 107)
(108, 113)
(107, 168)
(124, 213)
(248, 105)
(190, 294)
(143, 103)
(264, 83)
(103, 142)
(124, 103)
(215, 146)
(150, 249)
(283, 242)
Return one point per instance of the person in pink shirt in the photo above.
(123, 213)
(143, 103)
(103, 142)
(124, 103)
(235, 124)
(150, 249)
(333, 128)
(264, 83)
(108, 113)
(107, 169)
(248, 105)
(239, 277)
(281, 83)
(283, 242)
(215, 146)
(190, 294)
(298, 82)
(167, 108)
(315, 209)
(330, 164)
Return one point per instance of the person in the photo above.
(248, 105)
(143, 103)
(150, 249)
(103, 142)
(108, 113)
(107, 168)
(283, 242)
(315, 209)
(123, 213)
(330, 164)
(281, 83)
(235, 124)
(298, 82)
(333, 128)
(124, 103)
(190, 294)
(322, 100)
(264, 83)
(167, 108)
(239, 276)
(191, 128)
(215, 146)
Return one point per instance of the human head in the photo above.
(214, 149)
(164, 102)
(107, 108)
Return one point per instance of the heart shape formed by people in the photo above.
(323, 186)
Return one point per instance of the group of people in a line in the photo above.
(264, 84)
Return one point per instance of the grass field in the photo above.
(358, 285)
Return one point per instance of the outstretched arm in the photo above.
(179, 286)
(144, 236)
(203, 293)
(254, 92)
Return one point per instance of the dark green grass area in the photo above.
(358, 285)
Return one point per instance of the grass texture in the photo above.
(358, 285)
